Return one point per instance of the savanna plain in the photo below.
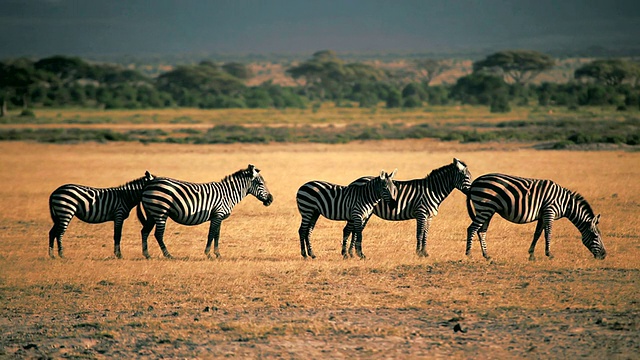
(261, 299)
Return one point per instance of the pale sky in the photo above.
(136, 27)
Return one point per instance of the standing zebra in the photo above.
(522, 201)
(193, 204)
(93, 205)
(353, 203)
(419, 199)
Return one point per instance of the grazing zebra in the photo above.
(522, 201)
(419, 199)
(193, 204)
(93, 205)
(353, 203)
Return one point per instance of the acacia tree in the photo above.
(239, 70)
(426, 70)
(608, 71)
(65, 69)
(16, 77)
(521, 66)
(326, 74)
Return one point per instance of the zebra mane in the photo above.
(441, 170)
(132, 183)
(242, 173)
(582, 202)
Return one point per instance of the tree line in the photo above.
(500, 80)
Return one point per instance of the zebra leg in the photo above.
(471, 231)
(482, 235)
(346, 232)
(214, 234)
(117, 235)
(54, 233)
(159, 234)
(146, 230)
(548, 225)
(358, 226)
(353, 242)
(536, 236)
(305, 230)
(422, 229)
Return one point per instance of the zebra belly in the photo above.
(193, 218)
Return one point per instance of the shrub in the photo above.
(27, 113)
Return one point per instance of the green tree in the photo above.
(425, 70)
(65, 69)
(609, 71)
(16, 78)
(521, 66)
(239, 70)
(325, 75)
(187, 83)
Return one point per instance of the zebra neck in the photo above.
(578, 216)
(131, 193)
(369, 193)
(439, 186)
(234, 190)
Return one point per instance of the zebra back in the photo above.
(93, 204)
(193, 203)
(431, 190)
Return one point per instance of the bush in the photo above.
(500, 104)
(27, 113)
(412, 102)
(394, 99)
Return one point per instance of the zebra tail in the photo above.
(140, 213)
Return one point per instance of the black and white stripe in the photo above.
(353, 203)
(93, 205)
(192, 204)
(419, 199)
(521, 201)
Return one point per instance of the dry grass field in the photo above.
(261, 299)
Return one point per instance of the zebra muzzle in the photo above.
(268, 200)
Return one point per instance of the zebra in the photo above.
(353, 203)
(520, 200)
(419, 199)
(93, 205)
(192, 204)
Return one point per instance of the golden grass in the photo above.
(326, 115)
(262, 299)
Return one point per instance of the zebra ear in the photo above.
(382, 174)
(393, 174)
(148, 175)
(254, 171)
(459, 164)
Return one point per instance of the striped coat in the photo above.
(522, 200)
(419, 199)
(93, 205)
(193, 203)
(353, 203)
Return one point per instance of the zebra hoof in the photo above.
(51, 255)
(550, 256)
(217, 255)
(532, 258)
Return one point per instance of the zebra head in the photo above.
(258, 187)
(462, 176)
(592, 239)
(385, 187)
(139, 183)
